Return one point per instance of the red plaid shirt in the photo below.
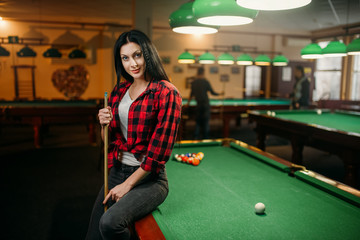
(153, 123)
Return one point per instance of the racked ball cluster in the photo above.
(190, 158)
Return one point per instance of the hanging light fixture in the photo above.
(273, 4)
(226, 59)
(26, 52)
(77, 53)
(207, 58)
(4, 52)
(311, 51)
(52, 53)
(280, 60)
(354, 47)
(244, 59)
(262, 60)
(183, 21)
(335, 49)
(186, 57)
(222, 13)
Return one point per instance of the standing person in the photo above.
(199, 89)
(143, 118)
(300, 94)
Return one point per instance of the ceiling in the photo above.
(317, 15)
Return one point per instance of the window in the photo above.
(252, 81)
(355, 93)
(327, 77)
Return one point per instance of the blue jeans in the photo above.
(140, 201)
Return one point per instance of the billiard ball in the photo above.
(196, 161)
(259, 208)
(318, 111)
(200, 155)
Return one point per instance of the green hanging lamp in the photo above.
(273, 4)
(4, 52)
(26, 52)
(183, 21)
(186, 57)
(52, 53)
(262, 60)
(222, 13)
(207, 58)
(335, 49)
(280, 60)
(354, 47)
(311, 51)
(226, 59)
(244, 59)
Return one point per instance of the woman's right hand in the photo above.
(105, 116)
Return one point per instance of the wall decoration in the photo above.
(214, 70)
(177, 69)
(224, 78)
(166, 60)
(71, 82)
(286, 74)
(235, 70)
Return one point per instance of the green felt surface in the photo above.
(242, 102)
(216, 200)
(56, 103)
(344, 121)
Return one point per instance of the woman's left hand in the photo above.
(117, 192)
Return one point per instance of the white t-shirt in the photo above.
(127, 158)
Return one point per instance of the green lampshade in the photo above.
(77, 53)
(207, 58)
(183, 21)
(335, 49)
(280, 60)
(222, 13)
(311, 51)
(4, 52)
(52, 53)
(226, 59)
(273, 4)
(354, 47)
(26, 52)
(244, 59)
(262, 60)
(186, 57)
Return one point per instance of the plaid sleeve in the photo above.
(164, 136)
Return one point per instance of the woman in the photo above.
(143, 117)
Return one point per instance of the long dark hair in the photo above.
(154, 69)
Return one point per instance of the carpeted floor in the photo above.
(48, 193)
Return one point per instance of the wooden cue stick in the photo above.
(106, 128)
(222, 102)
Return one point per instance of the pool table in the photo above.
(40, 114)
(216, 199)
(228, 109)
(337, 132)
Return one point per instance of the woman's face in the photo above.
(133, 60)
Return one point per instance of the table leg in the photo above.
(37, 136)
(297, 151)
(350, 166)
(226, 128)
(260, 138)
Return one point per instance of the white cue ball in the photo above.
(273, 114)
(318, 111)
(259, 208)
